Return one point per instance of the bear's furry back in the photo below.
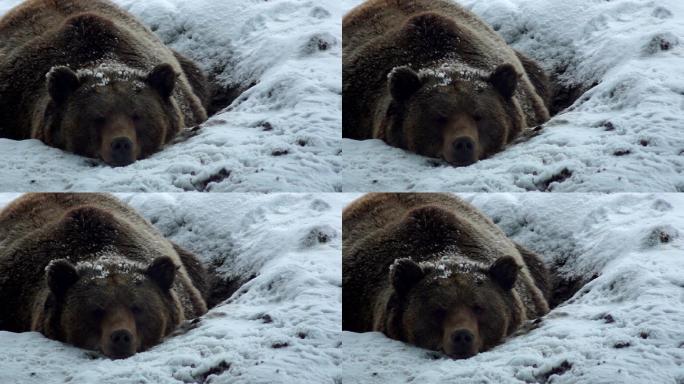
(376, 40)
(82, 228)
(374, 235)
(41, 34)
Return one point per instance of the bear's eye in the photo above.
(135, 117)
(97, 313)
(477, 309)
(439, 314)
(477, 118)
(99, 121)
(439, 119)
(136, 310)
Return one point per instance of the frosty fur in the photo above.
(444, 46)
(59, 252)
(55, 55)
(399, 249)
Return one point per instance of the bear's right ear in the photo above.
(505, 80)
(404, 274)
(163, 79)
(61, 83)
(403, 83)
(61, 275)
(162, 271)
(505, 272)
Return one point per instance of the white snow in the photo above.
(106, 72)
(281, 327)
(281, 135)
(624, 135)
(623, 327)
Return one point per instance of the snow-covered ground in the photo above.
(625, 326)
(624, 135)
(281, 327)
(283, 134)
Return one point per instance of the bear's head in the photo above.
(452, 114)
(457, 307)
(113, 113)
(111, 305)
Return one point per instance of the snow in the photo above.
(280, 327)
(624, 135)
(283, 134)
(622, 327)
(107, 72)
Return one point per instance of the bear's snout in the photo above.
(460, 337)
(119, 142)
(121, 344)
(122, 151)
(119, 334)
(464, 152)
(460, 145)
(462, 341)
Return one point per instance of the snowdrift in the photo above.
(622, 135)
(282, 134)
(280, 327)
(624, 326)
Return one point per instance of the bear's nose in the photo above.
(465, 145)
(122, 151)
(464, 151)
(462, 340)
(121, 343)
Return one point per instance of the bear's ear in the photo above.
(162, 79)
(404, 274)
(162, 271)
(505, 80)
(403, 83)
(505, 272)
(61, 275)
(61, 83)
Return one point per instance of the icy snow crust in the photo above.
(281, 327)
(283, 134)
(623, 327)
(624, 135)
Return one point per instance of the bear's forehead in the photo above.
(454, 269)
(105, 74)
(446, 74)
(108, 263)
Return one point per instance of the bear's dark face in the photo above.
(460, 121)
(109, 309)
(105, 115)
(457, 309)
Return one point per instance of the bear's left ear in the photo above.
(61, 275)
(162, 271)
(61, 83)
(505, 272)
(505, 80)
(404, 274)
(403, 83)
(163, 79)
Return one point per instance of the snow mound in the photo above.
(274, 329)
(282, 134)
(623, 135)
(622, 327)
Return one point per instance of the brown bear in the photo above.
(87, 77)
(430, 77)
(87, 270)
(432, 271)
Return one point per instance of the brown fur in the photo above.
(80, 267)
(394, 54)
(48, 52)
(429, 269)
